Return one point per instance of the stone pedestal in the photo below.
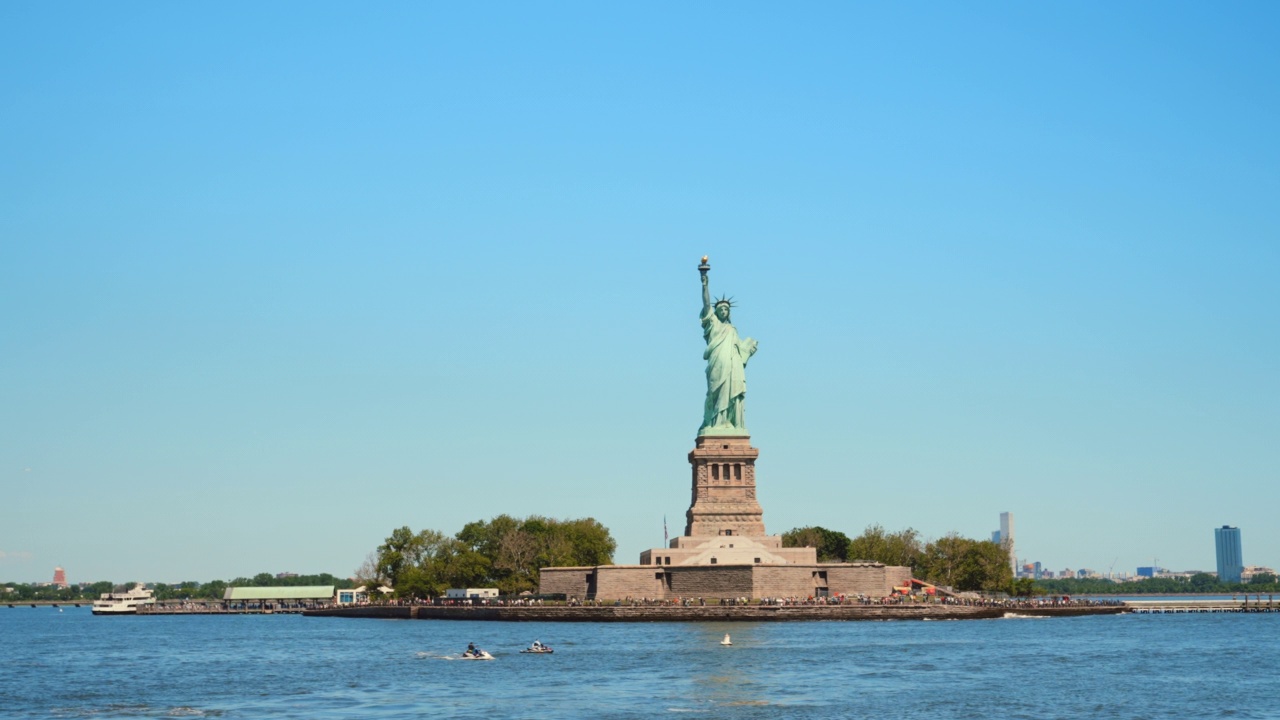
(724, 489)
(725, 523)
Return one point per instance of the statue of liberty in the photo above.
(726, 356)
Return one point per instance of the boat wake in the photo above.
(1019, 616)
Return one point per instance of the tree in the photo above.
(504, 552)
(367, 573)
(465, 567)
(989, 566)
(832, 545)
(518, 559)
(1024, 587)
(417, 582)
(902, 548)
(966, 564)
(508, 553)
(1204, 582)
(181, 591)
(484, 536)
(96, 589)
(405, 549)
(216, 589)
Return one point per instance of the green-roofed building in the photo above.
(286, 596)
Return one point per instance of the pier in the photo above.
(222, 608)
(1161, 607)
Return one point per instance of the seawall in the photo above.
(716, 613)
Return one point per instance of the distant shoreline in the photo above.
(1111, 596)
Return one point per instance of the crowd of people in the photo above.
(1039, 602)
(967, 599)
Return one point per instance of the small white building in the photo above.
(355, 596)
(351, 596)
(470, 593)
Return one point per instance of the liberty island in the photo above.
(725, 566)
(725, 552)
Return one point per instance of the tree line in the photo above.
(191, 589)
(952, 560)
(504, 553)
(1198, 583)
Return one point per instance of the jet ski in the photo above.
(474, 653)
(537, 648)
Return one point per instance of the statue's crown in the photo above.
(724, 300)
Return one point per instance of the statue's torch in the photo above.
(704, 267)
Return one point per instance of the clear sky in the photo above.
(279, 278)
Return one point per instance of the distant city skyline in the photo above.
(276, 287)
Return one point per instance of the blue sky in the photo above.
(279, 279)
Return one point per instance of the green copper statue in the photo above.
(726, 355)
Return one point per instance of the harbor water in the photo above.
(70, 664)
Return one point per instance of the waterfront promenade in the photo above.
(708, 613)
(692, 611)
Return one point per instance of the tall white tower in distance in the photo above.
(1006, 536)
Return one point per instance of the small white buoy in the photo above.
(726, 640)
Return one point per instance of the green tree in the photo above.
(902, 548)
(966, 564)
(509, 552)
(181, 591)
(590, 541)
(990, 567)
(418, 582)
(484, 536)
(504, 552)
(414, 561)
(832, 545)
(215, 589)
(402, 550)
(92, 592)
(1204, 582)
(464, 567)
(1024, 587)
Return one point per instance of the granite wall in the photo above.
(570, 581)
(629, 581)
(618, 582)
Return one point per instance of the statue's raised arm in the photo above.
(725, 410)
(706, 291)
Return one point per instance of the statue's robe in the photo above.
(726, 357)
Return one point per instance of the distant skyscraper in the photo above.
(1005, 534)
(59, 577)
(1230, 559)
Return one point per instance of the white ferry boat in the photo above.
(123, 603)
